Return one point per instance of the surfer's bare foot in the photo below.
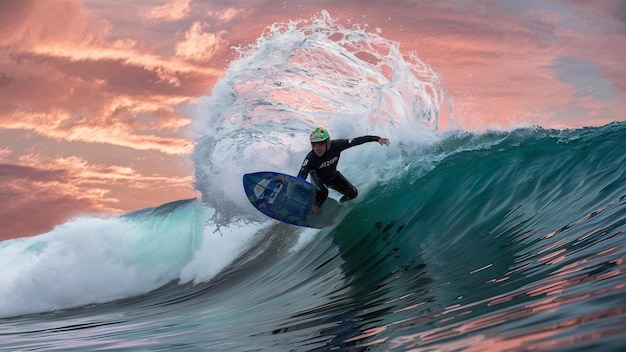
(315, 210)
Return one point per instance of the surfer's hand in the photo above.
(383, 141)
(315, 210)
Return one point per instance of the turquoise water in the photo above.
(510, 240)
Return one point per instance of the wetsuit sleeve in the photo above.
(304, 169)
(353, 142)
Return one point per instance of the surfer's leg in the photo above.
(343, 186)
(322, 190)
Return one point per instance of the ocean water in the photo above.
(500, 240)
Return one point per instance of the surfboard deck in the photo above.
(288, 199)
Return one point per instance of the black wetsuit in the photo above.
(324, 172)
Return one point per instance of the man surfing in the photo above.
(321, 164)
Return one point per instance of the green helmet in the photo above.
(320, 134)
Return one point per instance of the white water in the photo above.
(87, 260)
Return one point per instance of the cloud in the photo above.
(173, 10)
(81, 172)
(166, 69)
(34, 199)
(38, 192)
(86, 87)
(5, 153)
(229, 14)
(585, 78)
(32, 23)
(68, 76)
(199, 45)
(62, 125)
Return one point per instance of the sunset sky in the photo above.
(97, 96)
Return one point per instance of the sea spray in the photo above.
(302, 74)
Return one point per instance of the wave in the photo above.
(471, 247)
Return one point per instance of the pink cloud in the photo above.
(173, 10)
(35, 199)
(84, 87)
(43, 191)
(31, 23)
(5, 153)
(229, 14)
(60, 125)
(200, 45)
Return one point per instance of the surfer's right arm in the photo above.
(322, 192)
(304, 169)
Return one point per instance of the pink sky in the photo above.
(96, 95)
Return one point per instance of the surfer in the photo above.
(321, 164)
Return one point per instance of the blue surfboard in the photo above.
(288, 199)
